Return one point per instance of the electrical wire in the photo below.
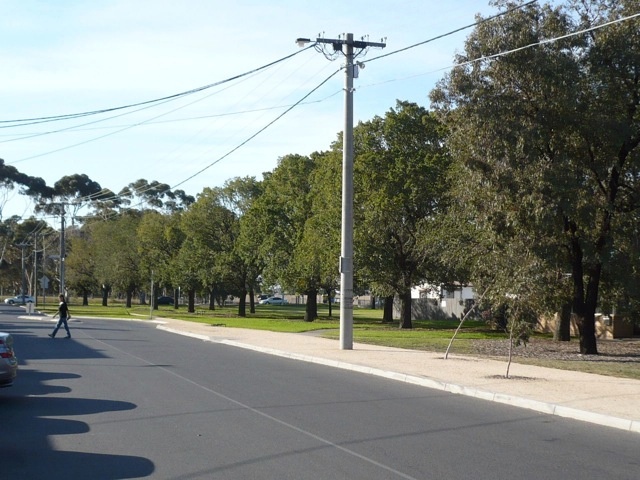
(543, 42)
(78, 127)
(162, 99)
(457, 30)
(258, 132)
(248, 139)
(128, 127)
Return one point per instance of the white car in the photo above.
(19, 299)
(8, 360)
(273, 301)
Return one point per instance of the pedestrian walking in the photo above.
(63, 316)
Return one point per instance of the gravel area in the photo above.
(608, 350)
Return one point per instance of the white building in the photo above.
(451, 301)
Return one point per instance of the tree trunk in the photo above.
(584, 306)
(373, 302)
(405, 309)
(242, 304)
(252, 301)
(212, 298)
(105, 295)
(176, 298)
(129, 297)
(311, 310)
(562, 332)
(387, 312)
(191, 295)
(588, 344)
(85, 298)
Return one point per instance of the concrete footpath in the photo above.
(609, 401)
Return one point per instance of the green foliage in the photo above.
(400, 178)
(547, 144)
(115, 250)
(288, 250)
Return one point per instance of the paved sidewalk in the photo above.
(609, 401)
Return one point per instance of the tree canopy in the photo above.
(550, 134)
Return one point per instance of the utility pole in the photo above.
(35, 268)
(346, 246)
(24, 278)
(45, 281)
(62, 249)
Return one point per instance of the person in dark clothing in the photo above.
(63, 316)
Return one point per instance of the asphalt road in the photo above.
(125, 400)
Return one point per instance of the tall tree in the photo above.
(116, 255)
(212, 230)
(154, 195)
(34, 187)
(556, 128)
(285, 207)
(318, 253)
(401, 166)
(238, 195)
(69, 195)
(80, 266)
(160, 238)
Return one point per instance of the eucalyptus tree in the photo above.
(69, 195)
(17, 239)
(556, 128)
(10, 178)
(239, 195)
(281, 214)
(212, 230)
(185, 271)
(145, 195)
(401, 183)
(117, 262)
(80, 266)
(105, 204)
(318, 252)
(159, 239)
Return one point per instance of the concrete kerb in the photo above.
(516, 401)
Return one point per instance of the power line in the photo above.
(219, 159)
(78, 128)
(162, 99)
(301, 101)
(457, 30)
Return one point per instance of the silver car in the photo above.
(273, 301)
(19, 299)
(8, 360)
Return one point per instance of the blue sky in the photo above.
(66, 57)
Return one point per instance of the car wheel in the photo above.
(11, 302)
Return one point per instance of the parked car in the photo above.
(273, 301)
(8, 360)
(19, 299)
(165, 300)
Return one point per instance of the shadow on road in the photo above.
(26, 450)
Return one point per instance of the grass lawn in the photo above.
(367, 328)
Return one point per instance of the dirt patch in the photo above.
(622, 351)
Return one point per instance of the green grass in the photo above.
(367, 328)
